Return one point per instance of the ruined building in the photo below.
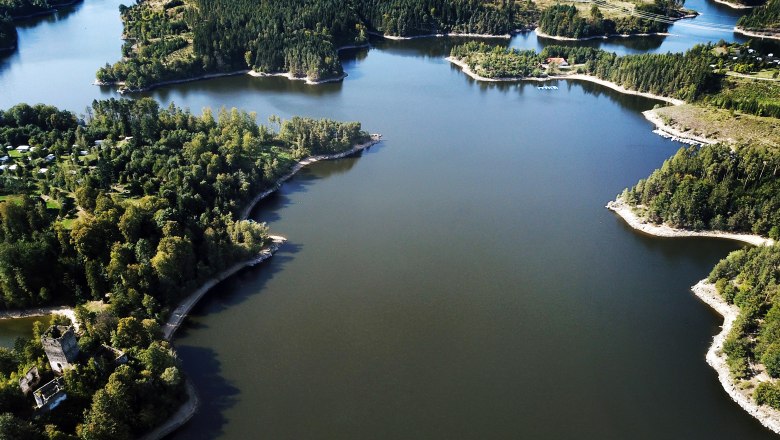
(62, 349)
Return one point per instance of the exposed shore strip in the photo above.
(539, 33)
(706, 292)
(632, 219)
(41, 311)
(757, 34)
(572, 76)
(448, 34)
(716, 358)
(667, 131)
(734, 5)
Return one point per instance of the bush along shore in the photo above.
(137, 209)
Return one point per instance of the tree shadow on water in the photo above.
(239, 287)
(215, 394)
(267, 210)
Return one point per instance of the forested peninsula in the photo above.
(700, 75)
(763, 21)
(727, 189)
(568, 22)
(184, 39)
(128, 208)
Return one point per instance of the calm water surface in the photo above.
(459, 280)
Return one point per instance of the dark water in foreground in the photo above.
(459, 280)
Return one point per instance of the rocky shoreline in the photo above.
(769, 417)
(626, 212)
(667, 131)
(757, 34)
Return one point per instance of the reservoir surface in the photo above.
(461, 279)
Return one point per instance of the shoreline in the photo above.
(41, 311)
(375, 138)
(292, 77)
(249, 72)
(604, 37)
(50, 11)
(757, 34)
(669, 132)
(188, 409)
(181, 311)
(715, 357)
(619, 207)
(573, 76)
(447, 34)
(734, 5)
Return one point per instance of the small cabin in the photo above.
(557, 60)
(23, 148)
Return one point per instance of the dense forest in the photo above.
(714, 187)
(186, 38)
(750, 279)
(765, 18)
(685, 76)
(129, 208)
(566, 21)
(761, 98)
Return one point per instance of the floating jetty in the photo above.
(547, 87)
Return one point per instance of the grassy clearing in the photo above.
(723, 125)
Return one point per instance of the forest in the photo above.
(714, 187)
(128, 209)
(750, 279)
(566, 21)
(299, 38)
(764, 18)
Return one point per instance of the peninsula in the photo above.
(132, 246)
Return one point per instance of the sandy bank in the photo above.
(770, 35)
(768, 417)
(734, 5)
(42, 311)
(668, 131)
(539, 33)
(292, 77)
(627, 213)
(568, 76)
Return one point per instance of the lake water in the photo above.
(462, 279)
